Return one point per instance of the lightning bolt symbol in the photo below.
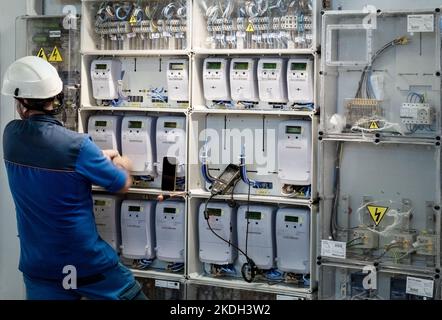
(377, 214)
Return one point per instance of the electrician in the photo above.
(50, 171)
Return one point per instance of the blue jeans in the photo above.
(117, 283)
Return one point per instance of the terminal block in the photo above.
(363, 239)
(426, 245)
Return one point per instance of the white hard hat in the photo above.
(31, 78)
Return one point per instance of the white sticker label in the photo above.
(240, 34)
(283, 297)
(333, 249)
(421, 23)
(167, 284)
(55, 34)
(420, 287)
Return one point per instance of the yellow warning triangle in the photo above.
(250, 27)
(374, 125)
(42, 54)
(133, 20)
(55, 56)
(377, 213)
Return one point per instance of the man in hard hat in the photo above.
(51, 171)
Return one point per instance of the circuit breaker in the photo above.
(107, 219)
(300, 81)
(293, 240)
(222, 219)
(272, 77)
(138, 229)
(243, 82)
(178, 80)
(169, 230)
(137, 133)
(105, 75)
(216, 79)
(171, 142)
(105, 131)
(261, 233)
(295, 152)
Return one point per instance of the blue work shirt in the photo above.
(51, 171)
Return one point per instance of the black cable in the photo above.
(333, 217)
(249, 267)
(249, 260)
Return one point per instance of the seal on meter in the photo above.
(226, 180)
(168, 180)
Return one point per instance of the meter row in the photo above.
(270, 236)
(145, 140)
(250, 81)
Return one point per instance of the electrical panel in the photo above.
(243, 82)
(138, 229)
(137, 25)
(300, 81)
(178, 80)
(272, 76)
(293, 240)
(222, 220)
(295, 152)
(107, 219)
(248, 25)
(216, 79)
(169, 230)
(137, 134)
(55, 39)
(256, 224)
(105, 131)
(105, 75)
(171, 142)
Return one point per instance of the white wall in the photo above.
(11, 284)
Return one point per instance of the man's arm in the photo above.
(95, 165)
(126, 164)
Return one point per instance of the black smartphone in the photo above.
(168, 180)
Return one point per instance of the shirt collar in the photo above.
(45, 118)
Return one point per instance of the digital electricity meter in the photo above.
(243, 82)
(300, 81)
(178, 80)
(272, 77)
(138, 137)
(171, 142)
(105, 75)
(295, 152)
(105, 131)
(216, 79)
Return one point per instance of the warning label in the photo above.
(374, 125)
(377, 213)
(55, 56)
(133, 20)
(42, 54)
(250, 28)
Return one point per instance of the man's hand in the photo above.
(123, 162)
(126, 164)
(111, 154)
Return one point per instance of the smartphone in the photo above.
(168, 180)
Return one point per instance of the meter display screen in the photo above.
(170, 125)
(176, 66)
(253, 215)
(214, 212)
(298, 66)
(100, 66)
(135, 124)
(213, 65)
(134, 209)
(268, 66)
(293, 130)
(100, 203)
(291, 219)
(100, 123)
(241, 66)
(170, 210)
